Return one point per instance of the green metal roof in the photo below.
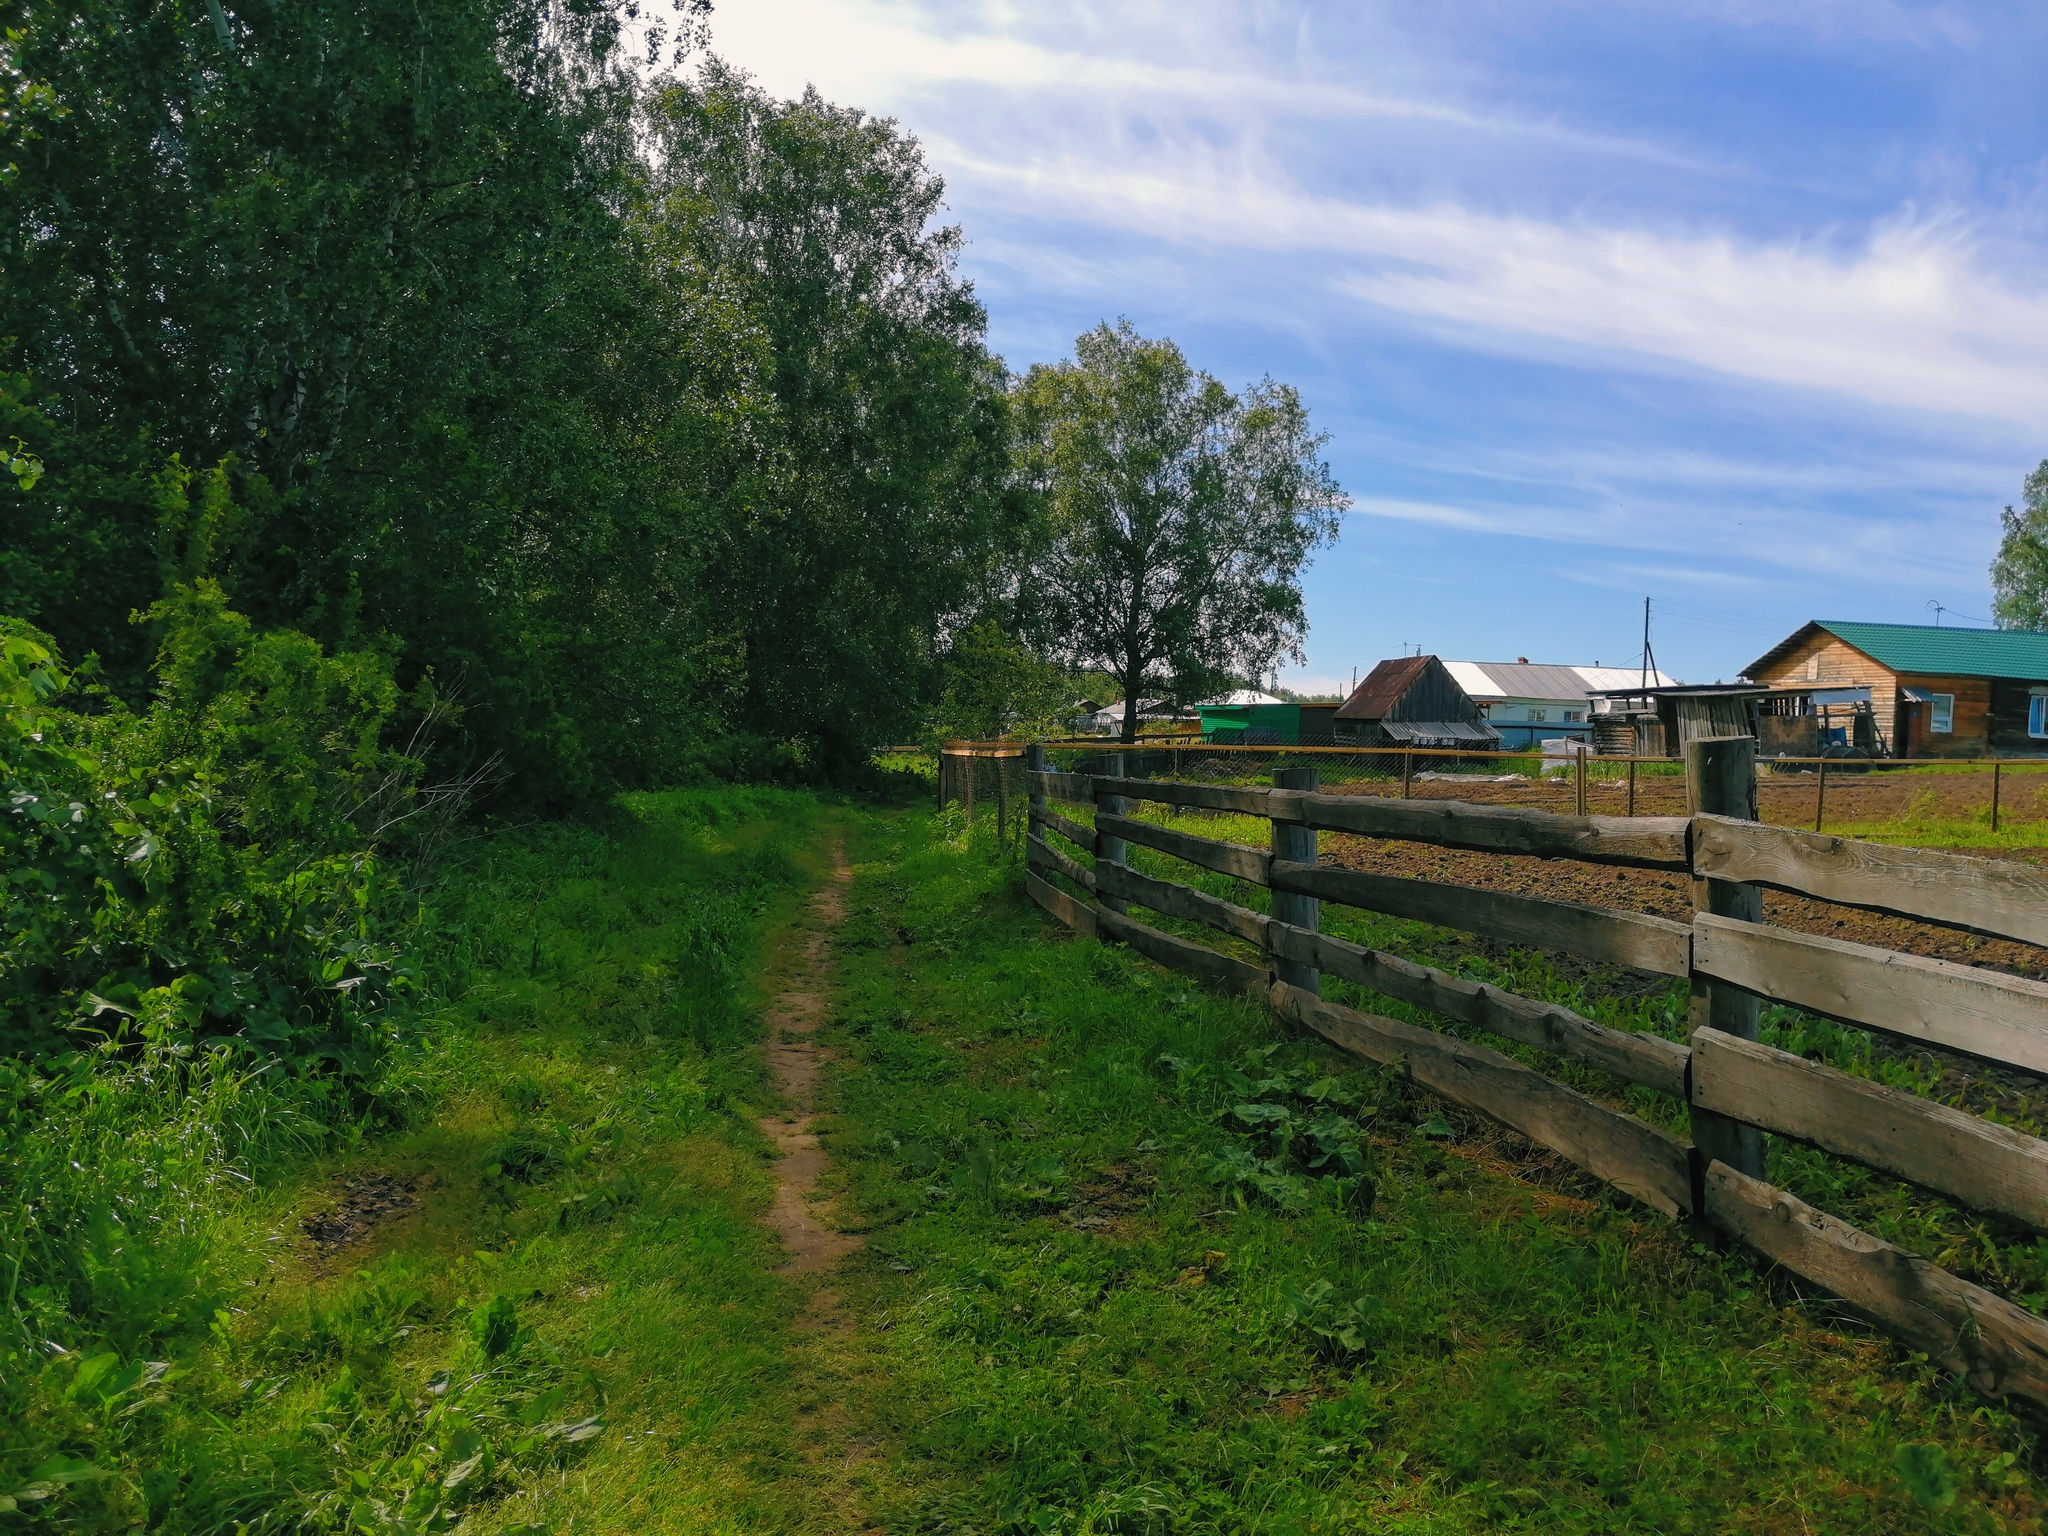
(2020, 653)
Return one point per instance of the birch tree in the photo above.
(1178, 517)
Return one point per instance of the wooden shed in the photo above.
(1934, 691)
(1412, 701)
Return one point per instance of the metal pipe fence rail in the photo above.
(986, 777)
(1734, 1087)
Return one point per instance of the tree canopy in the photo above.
(649, 424)
(1178, 516)
(2019, 572)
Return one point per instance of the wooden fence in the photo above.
(1734, 1087)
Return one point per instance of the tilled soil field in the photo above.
(1784, 799)
(1664, 893)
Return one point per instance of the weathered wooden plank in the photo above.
(1597, 933)
(1650, 1060)
(1655, 842)
(1221, 971)
(1081, 837)
(1038, 851)
(1244, 800)
(1074, 914)
(1983, 1165)
(1988, 895)
(1628, 1153)
(1999, 1348)
(1074, 788)
(1960, 1007)
(1225, 858)
(1185, 902)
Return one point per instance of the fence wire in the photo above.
(987, 780)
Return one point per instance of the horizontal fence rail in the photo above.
(1724, 1075)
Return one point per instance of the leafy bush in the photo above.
(206, 869)
(1302, 1141)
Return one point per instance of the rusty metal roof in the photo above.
(1383, 687)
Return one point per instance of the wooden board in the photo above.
(1038, 851)
(1182, 901)
(1999, 1348)
(1983, 1165)
(1654, 842)
(1225, 858)
(1076, 916)
(1988, 895)
(1631, 1154)
(1074, 788)
(1243, 800)
(1221, 971)
(1597, 933)
(1081, 837)
(1961, 1007)
(1650, 1060)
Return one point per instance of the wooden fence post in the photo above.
(1297, 843)
(1002, 800)
(1820, 794)
(1720, 780)
(1407, 770)
(1994, 794)
(1110, 850)
(1631, 786)
(1580, 754)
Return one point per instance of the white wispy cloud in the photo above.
(1180, 152)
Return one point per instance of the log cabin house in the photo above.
(1932, 691)
(1412, 701)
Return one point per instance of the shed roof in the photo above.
(1930, 648)
(1383, 687)
(1237, 698)
(1536, 680)
(1439, 732)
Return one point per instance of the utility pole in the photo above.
(1649, 656)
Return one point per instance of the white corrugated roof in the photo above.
(1238, 696)
(1489, 680)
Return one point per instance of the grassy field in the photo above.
(571, 1324)
(1134, 1262)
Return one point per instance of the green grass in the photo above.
(1082, 1331)
(576, 1327)
(1133, 1262)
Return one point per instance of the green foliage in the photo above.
(190, 1372)
(634, 416)
(996, 687)
(1178, 516)
(2019, 571)
(203, 869)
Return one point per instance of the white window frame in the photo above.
(1538, 714)
(2037, 712)
(1941, 715)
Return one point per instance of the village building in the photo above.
(1413, 701)
(1926, 690)
(1529, 703)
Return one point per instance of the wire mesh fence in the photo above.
(2005, 797)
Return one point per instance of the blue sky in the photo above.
(1736, 304)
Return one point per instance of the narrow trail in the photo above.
(799, 978)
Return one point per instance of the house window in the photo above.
(1539, 714)
(2037, 713)
(1575, 714)
(1944, 712)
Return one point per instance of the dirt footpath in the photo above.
(798, 978)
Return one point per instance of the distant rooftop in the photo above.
(1932, 648)
(1486, 681)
